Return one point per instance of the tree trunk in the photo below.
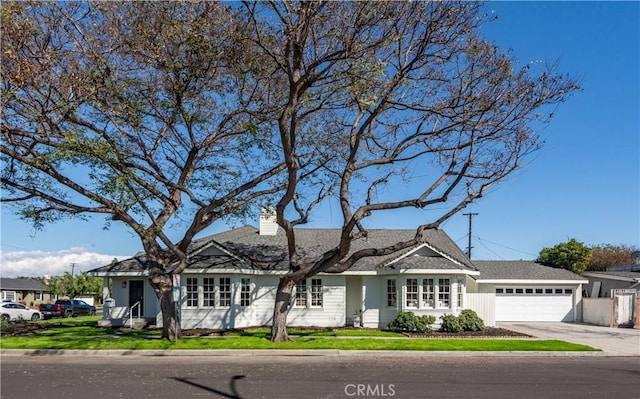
(281, 310)
(163, 286)
(170, 324)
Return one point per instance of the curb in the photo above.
(301, 353)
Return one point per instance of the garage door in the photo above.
(534, 304)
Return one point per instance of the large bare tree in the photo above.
(407, 107)
(155, 115)
(154, 112)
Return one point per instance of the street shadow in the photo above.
(232, 386)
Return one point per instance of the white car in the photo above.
(17, 311)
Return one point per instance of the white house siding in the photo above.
(354, 297)
(260, 310)
(333, 310)
(373, 300)
(258, 313)
(121, 304)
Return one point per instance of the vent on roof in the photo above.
(268, 224)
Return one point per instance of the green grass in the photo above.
(83, 333)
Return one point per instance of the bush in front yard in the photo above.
(408, 321)
(450, 324)
(470, 321)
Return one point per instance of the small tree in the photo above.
(73, 286)
(572, 255)
(605, 255)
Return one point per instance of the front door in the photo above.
(136, 294)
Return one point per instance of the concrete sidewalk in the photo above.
(612, 341)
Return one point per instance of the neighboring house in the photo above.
(29, 292)
(601, 283)
(231, 281)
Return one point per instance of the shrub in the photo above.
(470, 321)
(450, 324)
(408, 321)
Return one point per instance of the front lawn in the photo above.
(83, 333)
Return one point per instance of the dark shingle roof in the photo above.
(521, 270)
(19, 284)
(627, 275)
(270, 252)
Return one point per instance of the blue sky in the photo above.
(584, 184)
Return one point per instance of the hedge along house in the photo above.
(232, 276)
(231, 281)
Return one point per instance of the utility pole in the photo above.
(471, 215)
(73, 268)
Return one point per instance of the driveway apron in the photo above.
(614, 341)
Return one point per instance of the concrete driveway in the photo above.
(613, 341)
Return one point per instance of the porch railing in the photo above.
(137, 304)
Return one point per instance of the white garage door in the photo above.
(534, 304)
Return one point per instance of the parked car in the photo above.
(18, 311)
(67, 308)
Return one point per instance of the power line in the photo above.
(504, 246)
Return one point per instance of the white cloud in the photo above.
(53, 263)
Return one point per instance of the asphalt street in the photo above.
(371, 376)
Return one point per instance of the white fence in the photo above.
(484, 304)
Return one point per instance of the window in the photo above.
(459, 294)
(245, 292)
(519, 291)
(225, 292)
(444, 293)
(309, 293)
(499, 291)
(38, 296)
(208, 292)
(568, 291)
(509, 290)
(529, 290)
(192, 292)
(538, 290)
(412, 293)
(9, 296)
(548, 290)
(428, 293)
(316, 292)
(301, 293)
(392, 295)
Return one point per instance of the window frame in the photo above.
(245, 291)
(192, 296)
(411, 293)
(316, 290)
(208, 292)
(225, 295)
(444, 296)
